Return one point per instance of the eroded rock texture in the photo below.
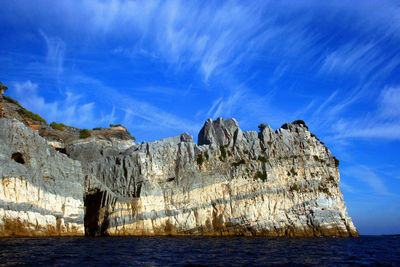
(273, 183)
(282, 183)
(40, 189)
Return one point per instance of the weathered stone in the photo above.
(41, 190)
(220, 132)
(273, 183)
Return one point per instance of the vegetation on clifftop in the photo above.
(30, 115)
(85, 133)
(57, 126)
(21, 111)
(300, 122)
(262, 126)
(336, 162)
(26, 114)
(116, 125)
(10, 100)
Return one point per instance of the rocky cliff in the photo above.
(270, 183)
(41, 190)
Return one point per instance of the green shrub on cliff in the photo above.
(10, 100)
(223, 152)
(85, 133)
(239, 162)
(262, 159)
(57, 126)
(325, 189)
(67, 126)
(300, 122)
(30, 115)
(336, 162)
(261, 175)
(332, 180)
(200, 159)
(294, 187)
(262, 126)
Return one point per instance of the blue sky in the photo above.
(162, 68)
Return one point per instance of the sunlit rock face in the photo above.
(41, 190)
(272, 183)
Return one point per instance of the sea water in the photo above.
(200, 251)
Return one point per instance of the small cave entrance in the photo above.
(17, 157)
(62, 150)
(96, 219)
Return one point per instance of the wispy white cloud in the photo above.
(225, 37)
(326, 102)
(367, 175)
(139, 114)
(279, 71)
(145, 116)
(225, 107)
(213, 37)
(55, 53)
(347, 187)
(71, 110)
(390, 103)
(213, 107)
(380, 123)
(350, 58)
(219, 35)
(367, 61)
(386, 131)
(328, 116)
(185, 34)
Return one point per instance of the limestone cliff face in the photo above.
(282, 183)
(273, 183)
(40, 189)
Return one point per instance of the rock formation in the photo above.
(271, 183)
(41, 190)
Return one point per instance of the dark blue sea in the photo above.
(200, 251)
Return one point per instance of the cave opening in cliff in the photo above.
(62, 150)
(95, 223)
(17, 157)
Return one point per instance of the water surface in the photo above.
(210, 251)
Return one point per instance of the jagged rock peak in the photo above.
(220, 132)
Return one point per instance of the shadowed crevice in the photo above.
(96, 218)
(92, 204)
(17, 157)
(62, 150)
